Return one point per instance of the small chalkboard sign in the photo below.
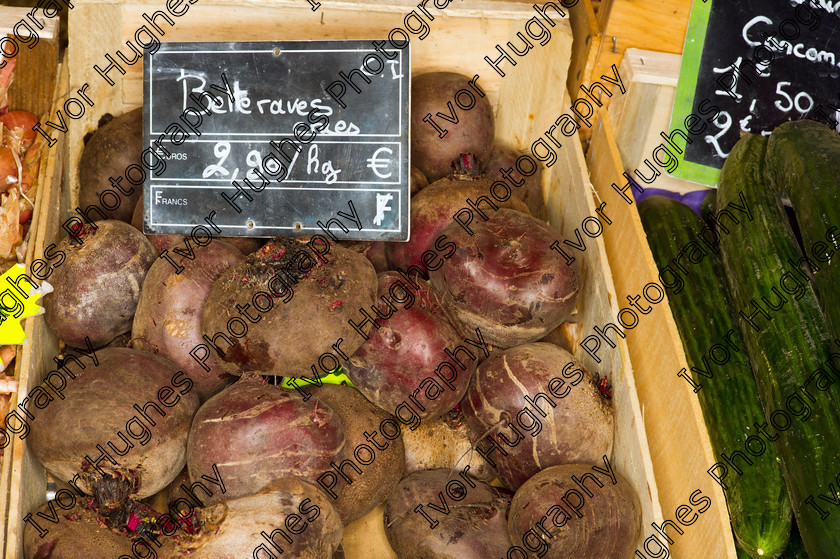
(246, 135)
(750, 65)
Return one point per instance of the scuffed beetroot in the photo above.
(255, 433)
(376, 254)
(133, 405)
(417, 181)
(529, 189)
(111, 149)
(257, 525)
(75, 531)
(473, 525)
(576, 425)
(505, 278)
(406, 356)
(444, 442)
(432, 210)
(168, 317)
(287, 305)
(548, 518)
(98, 287)
(362, 422)
(450, 94)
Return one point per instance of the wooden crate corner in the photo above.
(527, 101)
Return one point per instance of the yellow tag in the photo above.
(18, 300)
(333, 377)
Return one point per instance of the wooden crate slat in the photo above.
(620, 25)
(34, 357)
(586, 34)
(679, 442)
(34, 83)
(34, 86)
(651, 24)
(567, 210)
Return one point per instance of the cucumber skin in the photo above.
(795, 549)
(803, 159)
(709, 204)
(757, 501)
(790, 346)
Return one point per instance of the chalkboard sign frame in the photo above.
(313, 208)
(695, 39)
(762, 63)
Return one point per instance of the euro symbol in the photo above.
(375, 163)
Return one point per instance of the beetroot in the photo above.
(444, 442)
(452, 95)
(136, 406)
(529, 189)
(432, 209)
(80, 533)
(97, 288)
(380, 456)
(245, 245)
(255, 433)
(417, 181)
(376, 254)
(573, 422)
(168, 317)
(177, 498)
(473, 525)
(114, 150)
(505, 278)
(263, 525)
(286, 307)
(406, 357)
(575, 511)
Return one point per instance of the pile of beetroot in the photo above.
(170, 380)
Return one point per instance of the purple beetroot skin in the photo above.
(506, 280)
(402, 355)
(255, 433)
(168, 318)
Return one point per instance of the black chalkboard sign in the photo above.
(754, 64)
(247, 135)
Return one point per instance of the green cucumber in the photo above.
(758, 504)
(795, 549)
(789, 348)
(803, 161)
(709, 203)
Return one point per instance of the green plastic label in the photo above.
(336, 376)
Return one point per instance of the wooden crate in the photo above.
(645, 24)
(36, 84)
(35, 78)
(638, 116)
(679, 441)
(527, 101)
(605, 33)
